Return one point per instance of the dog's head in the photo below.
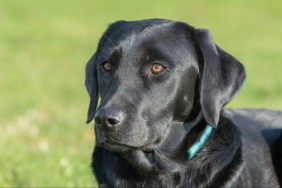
(152, 74)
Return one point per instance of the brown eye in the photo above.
(107, 66)
(157, 68)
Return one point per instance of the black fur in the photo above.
(146, 122)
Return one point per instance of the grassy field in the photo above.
(44, 46)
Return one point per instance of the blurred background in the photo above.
(44, 46)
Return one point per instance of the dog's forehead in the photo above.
(131, 36)
(122, 30)
(134, 41)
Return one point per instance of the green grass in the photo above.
(44, 46)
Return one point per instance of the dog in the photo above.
(161, 120)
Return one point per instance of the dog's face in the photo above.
(151, 74)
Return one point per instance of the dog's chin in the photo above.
(141, 158)
(146, 159)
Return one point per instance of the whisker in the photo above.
(110, 41)
(104, 51)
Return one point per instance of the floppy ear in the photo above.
(221, 76)
(92, 87)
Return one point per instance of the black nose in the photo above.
(107, 120)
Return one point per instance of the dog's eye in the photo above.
(157, 68)
(107, 66)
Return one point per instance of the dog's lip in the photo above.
(120, 147)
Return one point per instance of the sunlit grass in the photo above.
(44, 46)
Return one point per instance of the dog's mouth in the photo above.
(117, 147)
(124, 148)
(147, 158)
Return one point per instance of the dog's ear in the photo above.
(221, 76)
(92, 87)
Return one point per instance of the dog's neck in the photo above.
(200, 142)
(194, 149)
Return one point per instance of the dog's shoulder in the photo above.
(262, 118)
(255, 123)
(260, 131)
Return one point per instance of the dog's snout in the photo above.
(108, 120)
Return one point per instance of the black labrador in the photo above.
(161, 123)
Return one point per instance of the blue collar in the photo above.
(193, 150)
